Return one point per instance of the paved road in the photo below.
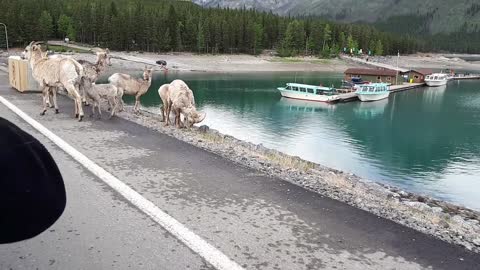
(259, 222)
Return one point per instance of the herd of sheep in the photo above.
(78, 79)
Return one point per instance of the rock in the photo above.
(204, 129)
(443, 224)
(458, 219)
(474, 222)
(476, 242)
(421, 199)
(403, 194)
(418, 205)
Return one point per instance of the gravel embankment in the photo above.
(451, 223)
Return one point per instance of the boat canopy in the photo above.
(436, 76)
(373, 88)
(311, 89)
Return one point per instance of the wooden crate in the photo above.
(20, 75)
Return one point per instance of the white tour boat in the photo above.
(373, 91)
(436, 79)
(309, 92)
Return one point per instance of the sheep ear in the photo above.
(107, 50)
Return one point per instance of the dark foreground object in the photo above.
(32, 193)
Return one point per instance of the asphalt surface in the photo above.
(257, 221)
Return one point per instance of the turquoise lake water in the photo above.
(425, 140)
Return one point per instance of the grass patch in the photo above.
(275, 157)
(214, 138)
(62, 49)
(290, 162)
(320, 61)
(286, 60)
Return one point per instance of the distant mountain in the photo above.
(416, 16)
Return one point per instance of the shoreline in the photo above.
(446, 221)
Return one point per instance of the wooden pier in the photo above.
(466, 77)
(349, 97)
(405, 87)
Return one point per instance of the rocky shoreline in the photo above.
(448, 222)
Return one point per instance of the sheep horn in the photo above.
(200, 117)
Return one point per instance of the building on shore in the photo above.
(374, 75)
(417, 75)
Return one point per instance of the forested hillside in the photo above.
(160, 26)
(438, 16)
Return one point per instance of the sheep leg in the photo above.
(120, 99)
(78, 101)
(54, 97)
(168, 108)
(177, 118)
(82, 90)
(99, 111)
(162, 109)
(114, 102)
(50, 92)
(137, 104)
(44, 99)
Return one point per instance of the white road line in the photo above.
(212, 255)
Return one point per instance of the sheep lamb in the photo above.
(106, 91)
(126, 84)
(93, 70)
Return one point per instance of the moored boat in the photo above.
(309, 92)
(436, 79)
(373, 91)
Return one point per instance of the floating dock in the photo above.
(466, 77)
(349, 97)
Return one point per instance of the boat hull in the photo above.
(436, 82)
(308, 96)
(373, 97)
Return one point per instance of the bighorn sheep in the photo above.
(179, 97)
(92, 71)
(126, 84)
(55, 72)
(107, 91)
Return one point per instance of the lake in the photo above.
(425, 141)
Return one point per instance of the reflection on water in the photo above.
(296, 105)
(433, 96)
(424, 140)
(370, 110)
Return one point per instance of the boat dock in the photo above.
(349, 97)
(466, 77)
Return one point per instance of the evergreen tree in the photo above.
(64, 23)
(200, 39)
(379, 47)
(327, 35)
(258, 38)
(45, 25)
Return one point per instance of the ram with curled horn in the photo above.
(55, 72)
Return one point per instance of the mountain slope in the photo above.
(435, 15)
